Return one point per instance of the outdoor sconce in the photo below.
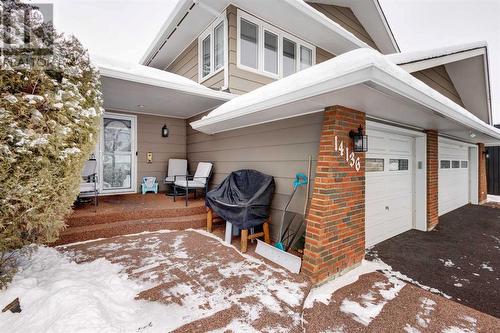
(360, 141)
(164, 131)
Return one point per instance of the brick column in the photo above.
(432, 179)
(482, 180)
(335, 234)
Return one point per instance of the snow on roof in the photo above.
(408, 57)
(143, 74)
(349, 69)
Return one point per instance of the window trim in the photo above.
(262, 27)
(210, 30)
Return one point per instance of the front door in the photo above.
(117, 156)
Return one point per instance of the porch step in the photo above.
(89, 219)
(118, 228)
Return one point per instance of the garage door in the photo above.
(453, 185)
(389, 186)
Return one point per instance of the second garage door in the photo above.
(389, 186)
(453, 183)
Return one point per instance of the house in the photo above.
(265, 84)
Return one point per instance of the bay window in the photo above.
(211, 49)
(269, 51)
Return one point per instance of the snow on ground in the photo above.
(371, 305)
(486, 266)
(447, 262)
(59, 295)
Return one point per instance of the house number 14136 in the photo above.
(350, 157)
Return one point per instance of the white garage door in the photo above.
(453, 184)
(389, 186)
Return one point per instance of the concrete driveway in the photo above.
(460, 257)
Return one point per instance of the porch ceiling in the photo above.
(135, 88)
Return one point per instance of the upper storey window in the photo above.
(211, 49)
(267, 50)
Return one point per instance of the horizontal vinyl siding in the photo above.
(280, 149)
(322, 55)
(186, 63)
(438, 79)
(346, 19)
(149, 139)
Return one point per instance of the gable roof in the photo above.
(362, 79)
(467, 66)
(371, 15)
(190, 17)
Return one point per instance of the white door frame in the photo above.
(419, 177)
(133, 180)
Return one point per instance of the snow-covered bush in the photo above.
(50, 104)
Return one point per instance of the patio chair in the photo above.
(193, 183)
(176, 168)
(149, 184)
(88, 185)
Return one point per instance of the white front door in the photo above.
(453, 182)
(117, 154)
(389, 185)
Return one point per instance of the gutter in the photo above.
(364, 66)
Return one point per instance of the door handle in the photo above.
(387, 208)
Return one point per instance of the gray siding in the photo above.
(149, 139)
(280, 149)
(186, 65)
(346, 19)
(438, 79)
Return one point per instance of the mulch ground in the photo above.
(460, 257)
(209, 286)
(362, 307)
(205, 284)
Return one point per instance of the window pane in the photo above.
(219, 46)
(445, 164)
(270, 52)
(206, 56)
(306, 59)
(465, 164)
(455, 164)
(398, 164)
(249, 42)
(289, 57)
(374, 164)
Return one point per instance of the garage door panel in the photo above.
(453, 183)
(389, 194)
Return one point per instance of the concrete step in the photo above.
(81, 220)
(110, 229)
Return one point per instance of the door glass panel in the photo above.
(374, 164)
(464, 164)
(270, 52)
(289, 57)
(455, 164)
(117, 157)
(445, 164)
(398, 164)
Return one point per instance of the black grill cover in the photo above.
(243, 198)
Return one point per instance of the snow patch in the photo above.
(324, 292)
(58, 295)
(447, 262)
(486, 266)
